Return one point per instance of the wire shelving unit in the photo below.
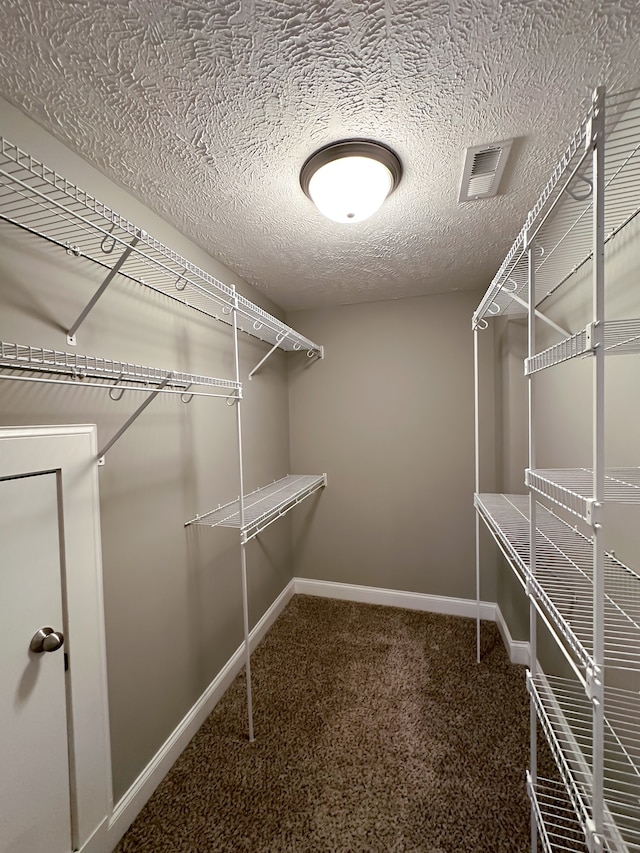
(571, 488)
(72, 368)
(40, 202)
(566, 715)
(588, 598)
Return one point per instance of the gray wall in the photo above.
(388, 415)
(172, 596)
(510, 350)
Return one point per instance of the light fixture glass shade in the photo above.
(350, 189)
(349, 181)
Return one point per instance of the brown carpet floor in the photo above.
(375, 731)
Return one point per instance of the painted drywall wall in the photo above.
(507, 359)
(172, 595)
(388, 414)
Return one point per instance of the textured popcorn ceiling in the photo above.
(206, 110)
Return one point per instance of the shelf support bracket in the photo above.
(594, 512)
(71, 334)
(541, 316)
(133, 417)
(279, 340)
(594, 685)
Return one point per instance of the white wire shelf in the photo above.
(561, 221)
(38, 200)
(562, 588)
(572, 488)
(566, 713)
(508, 292)
(576, 793)
(558, 827)
(621, 337)
(263, 506)
(38, 364)
(72, 368)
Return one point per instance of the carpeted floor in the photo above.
(375, 731)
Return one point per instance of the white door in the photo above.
(34, 757)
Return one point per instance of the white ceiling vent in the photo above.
(483, 169)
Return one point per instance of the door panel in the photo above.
(34, 782)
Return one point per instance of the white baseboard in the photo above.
(396, 598)
(128, 808)
(98, 842)
(519, 650)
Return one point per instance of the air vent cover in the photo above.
(483, 169)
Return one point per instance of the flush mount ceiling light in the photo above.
(348, 181)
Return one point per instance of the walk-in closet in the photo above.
(319, 328)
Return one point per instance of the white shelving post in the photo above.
(533, 618)
(476, 369)
(595, 679)
(243, 546)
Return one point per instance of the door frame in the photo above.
(71, 452)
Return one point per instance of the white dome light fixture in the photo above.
(348, 181)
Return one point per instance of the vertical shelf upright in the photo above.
(243, 547)
(583, 594)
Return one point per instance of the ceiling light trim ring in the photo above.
(351, 148)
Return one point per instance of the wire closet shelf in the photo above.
(263, 506)
(565, 713)
(561, 832)
(559, 226)
(571, 488)
(562, 587)
(48, 365)
(621, 337)
(42, 202)
(555, 814)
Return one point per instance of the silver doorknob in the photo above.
(46, 640)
